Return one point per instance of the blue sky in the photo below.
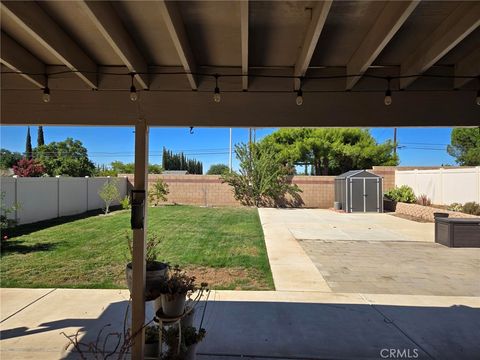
(418, 146)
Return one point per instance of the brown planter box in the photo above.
(457, 232)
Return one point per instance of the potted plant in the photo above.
(156, 271)
(174, 290)
(187, 348)
(151, 341)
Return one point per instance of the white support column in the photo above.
(138, 261)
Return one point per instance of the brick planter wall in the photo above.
(208, 190)
(426, 212)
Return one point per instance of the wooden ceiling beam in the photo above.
(18, 59)
(108, 23)
(244, 39)
(319, 16)
(173, 21)
(468, 66)
(38, 24)
(386, 26)
(458, 25)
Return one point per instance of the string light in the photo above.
(216, 93)
(299, 99)
(133, 90)
(46, 91)
(388, 95)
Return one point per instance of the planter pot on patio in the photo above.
(191, 353)
(187, 320)
(173, 305)
(155, 274)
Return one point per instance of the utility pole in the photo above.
(230, 153)
(395, 141)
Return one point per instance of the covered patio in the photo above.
(246, 64)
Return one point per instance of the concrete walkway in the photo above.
(256, 325)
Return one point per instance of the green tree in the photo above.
(330, 151)
(171, 161)
(118, 167)
(109, 193)
(465, 146)
(40, 137)
(263, 179)
(9, 158)
(28, 145)
(68, 158)
(158, 192)
(218, 169)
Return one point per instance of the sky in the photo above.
(417, 146)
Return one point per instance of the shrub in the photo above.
(5, 222)
(158, 192)
(424, 200)
(125, 203)
(28, 168)
(455, 207)
(472, 208)
(218, 169)
(109, 193)
(403, 193)
(263, 178)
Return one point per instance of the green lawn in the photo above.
(223, 246)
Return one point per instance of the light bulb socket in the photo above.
(217, 90)
(46, 95)
(46, 91)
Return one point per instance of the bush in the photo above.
(424, 200)
(5, 222)
(109, 193)
(218, 169)
(472, 208)
(403, 193)
(455, 207)
(158, 192)
(125, 203)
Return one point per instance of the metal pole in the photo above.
(394, 141)
(139, 235)
(230, 153)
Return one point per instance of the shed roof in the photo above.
(340, 52)
(357, 173)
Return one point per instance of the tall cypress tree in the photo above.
(40, 138)
(28, 145)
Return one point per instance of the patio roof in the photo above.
(340, 53)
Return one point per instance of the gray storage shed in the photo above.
(359, 191)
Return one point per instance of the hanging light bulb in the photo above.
(46, 95)
(133, 89)
(299, 99)
(388, 95)
(216, 93)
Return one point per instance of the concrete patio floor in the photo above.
(315, 249)
(257, 325)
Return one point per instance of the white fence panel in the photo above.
(37, 199)
(443, 186)
(47, 198)
(7, 186)
(73, 195)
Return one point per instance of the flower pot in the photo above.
(173, 305)
(191, 353)
(187, 320)
(151, 350)
(156, 272)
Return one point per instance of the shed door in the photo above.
(372, 187)
(356, 195)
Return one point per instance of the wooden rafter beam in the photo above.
(468, 66)
(244, 39)
(459, 24)
(31, 18)
(319, 16)
(173, 21)
(108, 23)
(18, 59)
(385, 27)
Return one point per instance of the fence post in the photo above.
(15, 198)
(442, 200)
(86, 182)
(58, 195)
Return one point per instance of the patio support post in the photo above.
(139, 235)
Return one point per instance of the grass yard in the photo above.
(223, 246)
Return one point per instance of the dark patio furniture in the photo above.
(453, 232)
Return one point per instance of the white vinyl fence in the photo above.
(45, 198)
(443, 186)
